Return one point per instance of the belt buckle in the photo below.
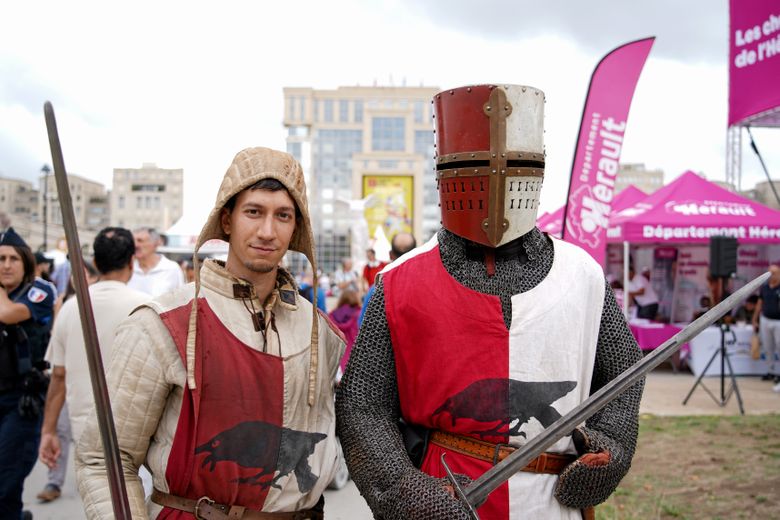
(208, 501)
(497, 451)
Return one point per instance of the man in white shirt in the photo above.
(153, 273)
(112, 301)
(641, 290)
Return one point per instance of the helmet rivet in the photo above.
(473, 155)
(468, 89)
(487, 108)
(503, 155)
(504, 225)
(523, 89)
(493, 171)
(506, 107)
(476, 171)
(503, 172)
(494, 155)
(452, 92)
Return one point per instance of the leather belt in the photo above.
(551, 463)
(206, 509)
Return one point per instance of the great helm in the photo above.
(489, 160)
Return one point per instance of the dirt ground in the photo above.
(702, 467)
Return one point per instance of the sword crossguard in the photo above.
(459, 493)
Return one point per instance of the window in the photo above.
(294, 149)
(328, 110)
(332, 152)
(291, 108)
(316, 109)
(419, 111)
(387, 134)
(122, 202)
(423, 143)
(302, 107)
(343, 111)
(358, 111)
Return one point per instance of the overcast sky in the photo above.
(188, 84)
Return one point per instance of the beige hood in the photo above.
(248, 167)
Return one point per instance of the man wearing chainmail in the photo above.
(486, 335)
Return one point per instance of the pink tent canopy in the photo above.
(691, 209)
(552, 223)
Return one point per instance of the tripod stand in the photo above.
(724, 361)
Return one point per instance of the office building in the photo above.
(147, 197)
(368, 157)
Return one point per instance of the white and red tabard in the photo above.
(461, 371)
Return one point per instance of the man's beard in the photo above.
(259, 266)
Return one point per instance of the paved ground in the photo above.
(664, 393)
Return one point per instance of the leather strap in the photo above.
(206, 509)
(550, 463)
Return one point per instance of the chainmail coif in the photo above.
(368, 407)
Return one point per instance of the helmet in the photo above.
(489, 160)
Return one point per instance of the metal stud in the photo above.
(476, 171)
(523, 89)
(468, 89)
(487, 108)
(504, 225)
(494, 156)
(503, 172)
(452, 92)
(493, 172)
(473, 155)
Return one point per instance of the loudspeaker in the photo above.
(723, 256)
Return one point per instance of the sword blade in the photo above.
(478, 491)
(116, 479)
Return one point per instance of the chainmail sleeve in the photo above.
(367, 410)
(615, 427)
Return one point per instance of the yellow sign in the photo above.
(392, 205)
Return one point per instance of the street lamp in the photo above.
(45, 170)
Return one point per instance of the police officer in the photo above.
(26, 311)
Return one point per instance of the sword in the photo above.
(116, 479)
(477, 492)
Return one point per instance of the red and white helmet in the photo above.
(489, 160)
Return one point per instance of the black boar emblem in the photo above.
(253, 444)
(506, 401)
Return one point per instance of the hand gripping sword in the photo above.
(116, 479)
(476, 493)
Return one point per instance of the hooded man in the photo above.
(486, 335)
(224, 387)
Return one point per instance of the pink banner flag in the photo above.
(754, 62)
(596, 158)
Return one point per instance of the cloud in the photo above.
(691, 31)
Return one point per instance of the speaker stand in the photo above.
(724, 361)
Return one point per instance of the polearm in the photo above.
(476, 493)
(116, 479)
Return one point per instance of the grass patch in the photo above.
(701, 467)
